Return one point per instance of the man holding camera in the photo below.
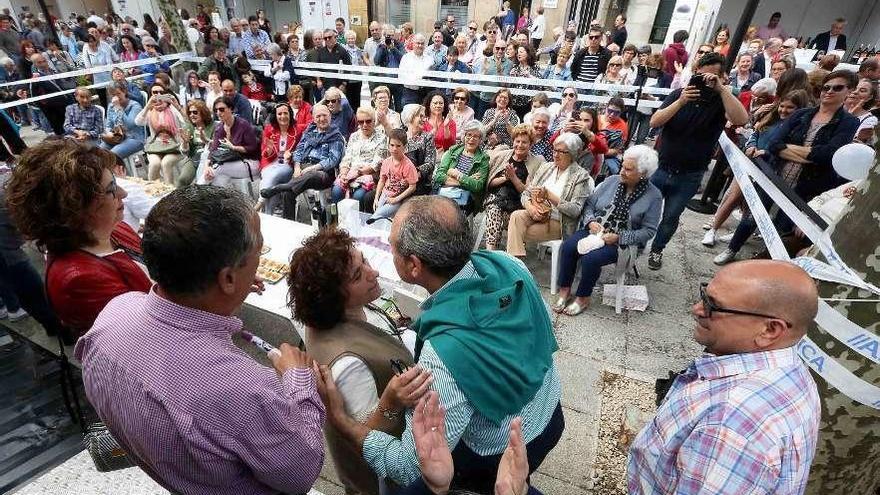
(692, 119)
(389, 54)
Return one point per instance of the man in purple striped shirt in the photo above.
(744, 418)
(191, 409)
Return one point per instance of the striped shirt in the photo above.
(736, 424)
(395, 458)
(192, 410)
(589, 68)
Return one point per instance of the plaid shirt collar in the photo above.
(710, 366)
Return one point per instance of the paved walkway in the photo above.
(638, 345)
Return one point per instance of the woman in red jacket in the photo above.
(439, 122)
(279, 140)
(63, 195)
(301, 110)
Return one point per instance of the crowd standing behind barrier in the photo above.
(458, 123)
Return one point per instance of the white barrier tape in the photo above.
(471, 87)
(34, 99)
(835, 324)
(447, 75)
(820, 238)
(94, 70)
(836, 375)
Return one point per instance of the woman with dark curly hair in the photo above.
(331, 287)
(63, 195)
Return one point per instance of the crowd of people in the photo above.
(601, 178)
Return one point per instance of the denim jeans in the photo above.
(277, 173)
(591, 263)
(612, 164)
(125, 149)
(677, 190)
(385, 210)
(337, 194)
(23, 287)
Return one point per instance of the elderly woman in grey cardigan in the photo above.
(623, 211)
(553, 198)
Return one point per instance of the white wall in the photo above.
(801, 17)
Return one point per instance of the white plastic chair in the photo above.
(553, 246)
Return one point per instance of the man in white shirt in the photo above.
(373, 41)
(536, 30)
(412, 66)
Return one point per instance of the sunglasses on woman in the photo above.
(836, 88)
(568, 95)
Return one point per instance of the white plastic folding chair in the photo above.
(553, 246)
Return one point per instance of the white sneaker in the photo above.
(707, 226)
(726, 237)
(18, 315)
(709, 238)
(725, 257)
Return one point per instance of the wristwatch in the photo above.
(389, 414)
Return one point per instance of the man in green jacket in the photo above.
(484, 334)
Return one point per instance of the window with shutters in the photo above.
(399, 11)
(458, 8)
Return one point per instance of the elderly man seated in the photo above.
(482, 304)
(123, 137)
(315, 161)
(160, 368)
(82, 120)
(340, 111)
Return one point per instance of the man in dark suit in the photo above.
(831, 40)
(765, 59)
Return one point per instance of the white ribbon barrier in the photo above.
(835, 324)
(34, 99)
(96, 70)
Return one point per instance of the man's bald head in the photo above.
(779, 288)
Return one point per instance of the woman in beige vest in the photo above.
(331, 290)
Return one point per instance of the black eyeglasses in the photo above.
(154, 93)
(611, 111)
(459, 98)
(710, 307)
(500, 48)
(615, 65)
(364, 122)
(472, 28)
(335, 100)
(836, 88)
(703, 52)
(569, 95)
(194, 112)
(329, 37)
(595, 37)
(220, 109)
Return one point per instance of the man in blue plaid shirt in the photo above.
(82, 120)
(744, 418)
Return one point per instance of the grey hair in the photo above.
(541, 111)
(368, 111)
(572, 142)
(473, 125)
(274, 49)
(420, 36)
(765, 86)
(409, 112)
(195, 232)
(436, 231)
(645, 158)
(332, 91)
(6, 61)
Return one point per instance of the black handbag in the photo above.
(222, 155)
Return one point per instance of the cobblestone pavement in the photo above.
(639, 345)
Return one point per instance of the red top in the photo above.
(303, 119)
(79, 284)
(258, 92)
(444, 137)
(598, 146)
(271, 138)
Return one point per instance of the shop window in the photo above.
(661, 21)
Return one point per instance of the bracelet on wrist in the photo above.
(387, 413)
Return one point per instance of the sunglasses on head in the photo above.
(836, 88)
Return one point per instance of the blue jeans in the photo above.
(337, 194)
(385, 210)
(277, 173)
(591, 263)
(125, 149)
(612, 163)
(22, 286)
(677, 190)
(480, 106)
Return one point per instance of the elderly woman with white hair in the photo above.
(553, 198)
(623, 211)
(281, 71)
(464, 168)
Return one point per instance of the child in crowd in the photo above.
(397, 178)
(253, 89)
